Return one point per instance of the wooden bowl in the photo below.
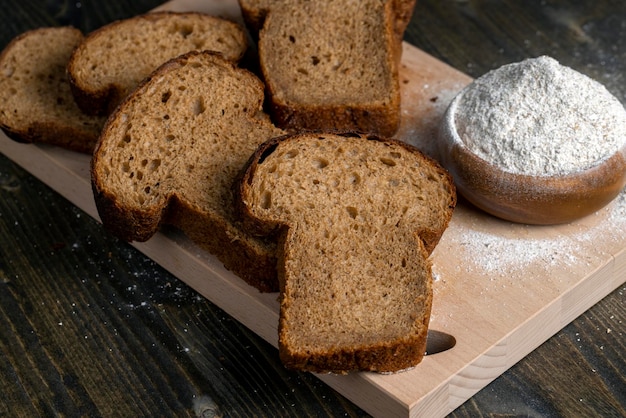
(529, 199)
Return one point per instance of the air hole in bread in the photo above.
(144, 162)
(155, 164)
(354, 179)
(388, 161)
(184, 30)
(266, 200)
(315, 60)
(125, 167)
(352, 212)
(125, 140)
(166, 96)
(198, 106)
(169, 138)
(321, 163)
(292, 39)
(303, 71)
(291, 153)
(146, 190)
(139, 175)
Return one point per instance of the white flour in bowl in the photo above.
(538, 117)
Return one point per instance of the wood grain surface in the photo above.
(91, 327)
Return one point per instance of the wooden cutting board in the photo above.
(500, 289)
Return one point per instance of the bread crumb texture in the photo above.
(319, 58)
(357, 281)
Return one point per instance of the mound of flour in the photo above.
(538, 117)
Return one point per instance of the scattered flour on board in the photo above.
(511, 252)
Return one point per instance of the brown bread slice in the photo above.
(358, 217)
(331, 64)
(112, 60)
(170, 153)
(36, 103)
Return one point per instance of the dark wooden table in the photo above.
(91, 327)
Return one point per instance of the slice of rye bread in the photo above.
(357, 218)
(170, 153)
(112, 60)
(330, 64)
(36, 103)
